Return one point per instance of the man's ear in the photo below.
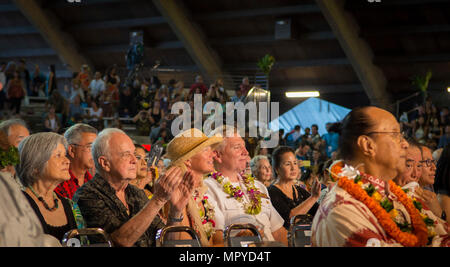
(104, 163)
(367, 146)
(217, 156)
(70, 151)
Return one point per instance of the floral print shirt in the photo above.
(101, 208)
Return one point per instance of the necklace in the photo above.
(254, 195)
(41, 199)
(382, 208)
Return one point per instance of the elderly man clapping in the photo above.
(123, 210)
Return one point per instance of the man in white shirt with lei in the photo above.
(240, 199)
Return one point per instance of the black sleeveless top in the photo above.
(57, 232)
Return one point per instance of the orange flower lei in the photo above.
(420, 234)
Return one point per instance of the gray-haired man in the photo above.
(122, 210)
(80, 138)
(16, 129)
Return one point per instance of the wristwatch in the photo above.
(171, 219)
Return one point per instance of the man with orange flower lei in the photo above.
(366, 208)
(240, 198)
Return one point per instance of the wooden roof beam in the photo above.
(358, 52)
(60, 41)
(191, 36)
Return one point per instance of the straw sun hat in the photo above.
(188, 143)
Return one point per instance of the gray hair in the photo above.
(4, 126)
(34, 152)
(101, 147)
(254, 163)
(73, 134)
(223, 131)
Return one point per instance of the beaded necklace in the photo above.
(41, 199)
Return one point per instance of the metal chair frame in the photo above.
(298, 223)
(227, 233)
(85, 232)
(162, 242)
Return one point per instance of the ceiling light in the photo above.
(302, 94)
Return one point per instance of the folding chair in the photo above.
(241, 241)
(161, 239)
(89, 237)
(299, 234)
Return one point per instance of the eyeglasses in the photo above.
(400, 136)
(84, 147)
(429, 162)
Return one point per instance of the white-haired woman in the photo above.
(191, 151)
(43, 166)
(262, 170)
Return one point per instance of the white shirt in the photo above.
(229, 211)
(97, 86)
(95, 113)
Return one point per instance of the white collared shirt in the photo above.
(230, 211)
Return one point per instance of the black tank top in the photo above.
(57, 232)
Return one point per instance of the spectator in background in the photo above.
(24, 76)
(52, 122)
(75, 109)
(84, 76)
(445, 138)
(37, 82)
(97, 85)
(15, 92)
(95, 115)
(156, 112)
(163, 96)
(262, 170)
(80, 138)
(77, 90)
(420, 130)
(144, 98)
(444, 116)
(111, 94)
(16, 130)
(293, 137)
(245, 87)
(331, 139)
(238, 97)
(198, 87)
(51, 81)
(179, 93)
(144, 122)
(315, 137)
(127, 104)
(442, 184)
(155, 132)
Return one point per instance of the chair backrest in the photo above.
(161, 239)
(241, 241)
(87, 238)
(299, 234)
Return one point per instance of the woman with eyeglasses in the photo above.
(144, 176)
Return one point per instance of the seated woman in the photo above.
(288, 198)
(144, 177)
(52, 122)
(262, 170)
(43, 166)
(194, 154)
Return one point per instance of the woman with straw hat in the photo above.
(191, 151)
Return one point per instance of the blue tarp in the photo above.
(309, 112)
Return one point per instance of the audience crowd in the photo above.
(79, 174)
